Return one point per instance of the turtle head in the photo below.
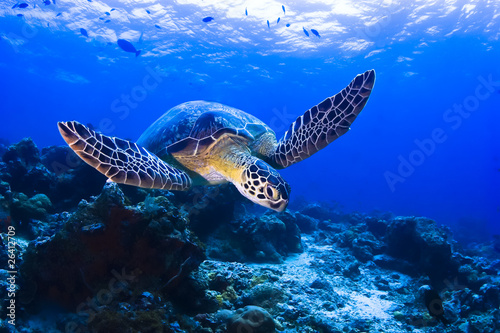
(263, 185)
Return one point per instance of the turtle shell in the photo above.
(191, 127)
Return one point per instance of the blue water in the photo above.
(408, 152)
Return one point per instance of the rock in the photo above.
(251, 319)
(60, 159)
(24, 208)
(352, 269)
(491, 296)
(264, 294)
(58, 173)
(394, 264)
(23, 171)
(320, 284)
(377, 227)
(261, 238)
(317, 211)
(421, 242)
(365, 246)
(306, 223)
(325, 325)
(25, 151)
(482, 323)
(104, 241)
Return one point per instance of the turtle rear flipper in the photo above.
(122, 161)
(323, 123)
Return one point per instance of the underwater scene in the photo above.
(150, 177)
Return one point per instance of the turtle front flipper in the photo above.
(323, 123)
(122, 161)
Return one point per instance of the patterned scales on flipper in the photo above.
(322, 124)
(122, 161)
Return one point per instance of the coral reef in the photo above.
(100, 257)
(106, 238)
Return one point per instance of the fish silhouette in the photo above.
(283, 7)
(126, 46)
(305, 31)
(84, 32)
(208, 19)
(315, 32)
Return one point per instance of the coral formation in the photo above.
(251, 319)
(110, 258)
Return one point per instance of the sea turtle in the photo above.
(205, 143)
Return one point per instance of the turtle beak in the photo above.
(279, 206)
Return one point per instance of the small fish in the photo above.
(112, 9)
(15, 5)
(434, 305)
(20, 15)
(157, 26)
(246, 12)
(101, 18)
(147, 11)
(23, 5)
(126, 46)
(107, 13)
(58, 14)
(268, 24)
(46, 2)
(107, 21)
(305, 31)
(84, 32)
(315, 32)
(89, 0)
(283, 7)
(278, 21)
(208, 19)
(287, 25)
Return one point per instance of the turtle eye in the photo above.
(272, 193)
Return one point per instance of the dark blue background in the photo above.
(458, 183)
